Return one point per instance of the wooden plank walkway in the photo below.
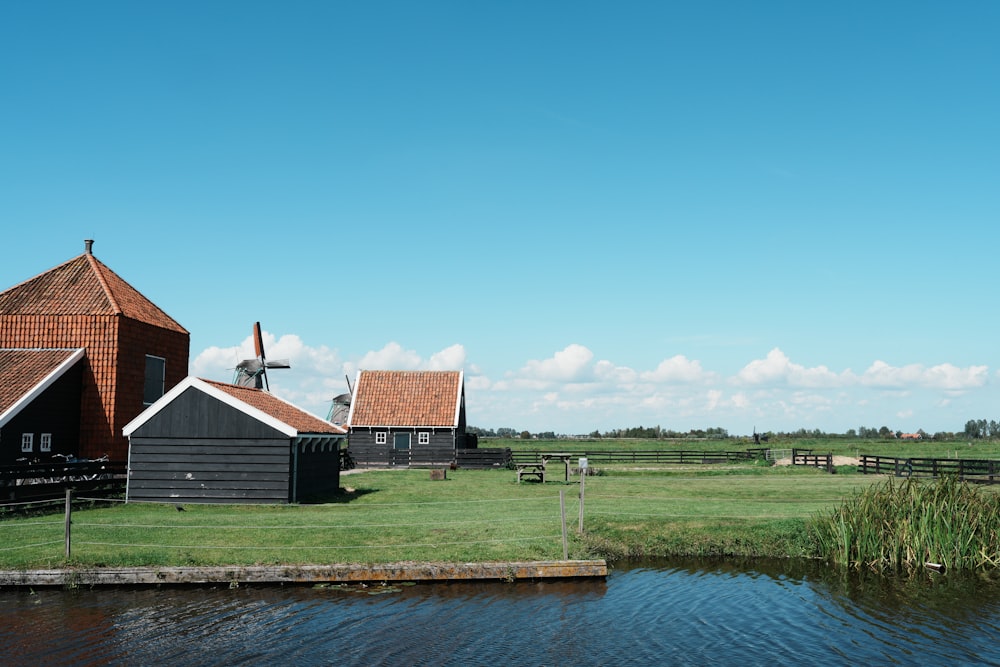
(306, 574)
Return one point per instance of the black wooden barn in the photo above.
(407, 418)
(40, 404)
(211, 442)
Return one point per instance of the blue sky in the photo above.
(770, 215)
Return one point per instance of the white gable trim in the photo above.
(354, 398)
(37, 390)
(458, 398)
(191, 382)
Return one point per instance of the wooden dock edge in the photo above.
(306, 574)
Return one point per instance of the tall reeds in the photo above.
(900, 526)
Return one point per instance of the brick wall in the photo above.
(116, 349)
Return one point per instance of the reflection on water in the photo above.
(681, 612)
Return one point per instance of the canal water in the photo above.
(676, 613)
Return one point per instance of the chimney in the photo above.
(89, 244)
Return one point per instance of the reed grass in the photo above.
(900, 526)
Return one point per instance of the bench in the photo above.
(536, 470)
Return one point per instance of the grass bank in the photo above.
(473, 516)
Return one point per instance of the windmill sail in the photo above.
(253, 372)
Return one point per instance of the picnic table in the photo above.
(559, 456)
(536, 470)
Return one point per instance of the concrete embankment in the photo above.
(307, 574)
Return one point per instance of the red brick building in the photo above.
(134, 352)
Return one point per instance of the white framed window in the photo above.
(155, 378)
(423, 438)
(45, 444)
(380, 438)
(27, 442)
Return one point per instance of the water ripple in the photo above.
(667, 614)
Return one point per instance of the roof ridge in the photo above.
(97, 265)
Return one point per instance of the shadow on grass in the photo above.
(340, 497)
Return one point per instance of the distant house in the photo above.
(39, 403)
(211, 442)
(132, 353)
(404, 418)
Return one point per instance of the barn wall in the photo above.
(208, 470)
(195, 414)
(57, 411)
(200, 449)
(317, 469)
(364, 451)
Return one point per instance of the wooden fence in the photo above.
(805, 457)
(675, 456)
(30, 482)
(381, 456)
(972, 470)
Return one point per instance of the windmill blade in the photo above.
(258, 341)
(259, 372)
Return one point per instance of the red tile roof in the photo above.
(83, 286)
(406, 398)
(23, 370)
(282, 410)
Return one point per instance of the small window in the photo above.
(380, 438)
(424, 438)
(27, 442)
(152, 388)
(45, 445)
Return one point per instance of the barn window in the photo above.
(152, 389)
(380, 438)
(45, 445)
(423, 438)
(27, 442)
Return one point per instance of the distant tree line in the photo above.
(980, 429)
(976, 429)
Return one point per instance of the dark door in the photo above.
(400, 454)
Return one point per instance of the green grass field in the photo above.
(837, 446)
(746, 509)
(473, 516)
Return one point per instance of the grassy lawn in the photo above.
(473, 516)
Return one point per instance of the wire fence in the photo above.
(522, 521)
(473, 528)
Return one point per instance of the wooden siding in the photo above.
(317, 469)
(206, 470)
(199, 449)
(365, 452)
(55, 411)
(195, 414)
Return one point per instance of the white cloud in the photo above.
(570, 392)
(568, 365)
(942, 376)
(678, 369)
(777, 368)
(449, 359)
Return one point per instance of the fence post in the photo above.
(583, 479)
(69, 517)
(562, 509)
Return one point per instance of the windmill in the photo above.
(341, 408)
(253, 372)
